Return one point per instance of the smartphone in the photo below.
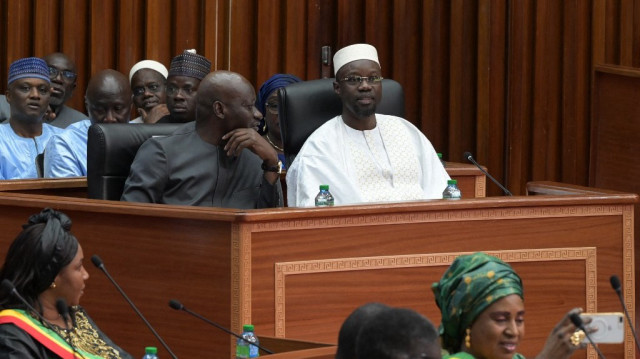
(610, 327)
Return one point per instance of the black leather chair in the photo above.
(305, 106)
(111, 149)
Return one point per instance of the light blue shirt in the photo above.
(18, 154)
(66, 153)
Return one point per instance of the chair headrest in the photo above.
(111, 149)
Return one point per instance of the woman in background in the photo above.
(45, 264)
(267, 103)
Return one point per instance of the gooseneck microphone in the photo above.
(100, 265)
(615, 284)
(63, 310)
(10, 289)
(178, 306)
(577, 321)
(469, 157)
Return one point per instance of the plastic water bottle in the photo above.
(452, 191)
(444, 164)
(324, 198)
(150, 353)
(245, 347)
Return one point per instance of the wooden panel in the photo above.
(102, 34)
(614, 135)
(221, 262)
(157, 34)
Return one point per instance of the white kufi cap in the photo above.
(148, 64)
(353, 53)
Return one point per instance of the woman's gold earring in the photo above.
(53, 285)
(467, 338)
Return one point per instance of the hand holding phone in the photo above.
(609, 327)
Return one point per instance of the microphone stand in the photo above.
(100, 265)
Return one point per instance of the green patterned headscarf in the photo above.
(471, 284)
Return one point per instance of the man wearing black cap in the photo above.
(185, 73)
(219, 161)
(25, 136)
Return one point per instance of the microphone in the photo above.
(100, 265)
(178, 306)
(10, 289)
(577, 321)
(615, 284)
(63, 310)
(469, 157)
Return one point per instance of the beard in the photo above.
(365, 111)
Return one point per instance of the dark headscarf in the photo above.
(39, 253)
(273, 83)
(470, 285)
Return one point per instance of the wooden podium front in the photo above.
(298, 272)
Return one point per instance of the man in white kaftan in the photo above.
(361, 155)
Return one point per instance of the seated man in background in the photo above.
(63, 76)
(25, 136)
(398, 333)
(108, 100)
(148, 80)
(219, 160)
(364, 156)
(185, 73)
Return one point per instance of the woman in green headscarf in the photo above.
(482, 304)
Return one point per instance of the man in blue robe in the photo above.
(25, 135)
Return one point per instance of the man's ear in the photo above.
(7, 95)
(86, 105)
(336, 87)
(218, 109)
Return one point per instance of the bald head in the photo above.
(220, 86)
(108, 97)
(227, 100)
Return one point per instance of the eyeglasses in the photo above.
(66, 74)
(140, 90)
(272, 107)
(187, 90)
(357, 80)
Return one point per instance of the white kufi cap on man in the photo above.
(353, 53)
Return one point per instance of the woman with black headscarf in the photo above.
(44, 263)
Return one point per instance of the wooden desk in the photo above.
(297, 273)
(66, 187)
(471, 182)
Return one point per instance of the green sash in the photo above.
(45, 336)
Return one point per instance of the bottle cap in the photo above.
(439, 155)
(247, 327)
(452, 181)
(151, 350)
(324, 187)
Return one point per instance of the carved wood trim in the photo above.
(628, 277)
(481, 186)
(441, 216)
(284, 269)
